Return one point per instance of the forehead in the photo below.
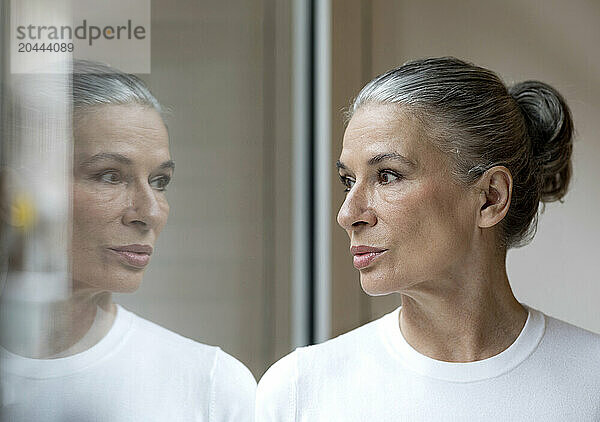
(129, 129)
(375, 128)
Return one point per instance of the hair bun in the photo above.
(550, 127)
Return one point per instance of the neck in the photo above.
(463, 318)
(44, 330)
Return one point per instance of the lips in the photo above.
(363, 256)
(137, 256)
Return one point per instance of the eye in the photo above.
(388, 176)
(111, 176)
(160, 183)
(347, 182)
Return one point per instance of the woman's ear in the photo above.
(495, 187)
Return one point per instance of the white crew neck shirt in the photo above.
(139, 371)
(551, 372)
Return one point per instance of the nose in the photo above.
(144, 210)
(356, 211)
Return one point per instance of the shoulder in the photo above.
(228, 384)
(355, 344)
(228, 367)
(165, 342)
(310, 370)
(276, 392)
(570, 353)
(346, 345)
(233, 390)
(579, 342)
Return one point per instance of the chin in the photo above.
(128, 287)
(114, 281)
(125, 281)
(375, 284)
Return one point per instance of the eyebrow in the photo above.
(106, 156)
(392, 156)
(120, 158)
(168, 165)
(340, 165)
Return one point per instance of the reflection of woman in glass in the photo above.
(444, 169)
(102, 362)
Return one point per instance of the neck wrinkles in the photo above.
(466, 319)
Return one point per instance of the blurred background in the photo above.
(252, 258)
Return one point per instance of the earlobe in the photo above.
(496, 190)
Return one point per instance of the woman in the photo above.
(444, 168)
(98, 360)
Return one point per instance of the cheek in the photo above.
(164, 212)
(429, 217)
(93, 210)
(445, 231)
(405, 212)
(452, 215)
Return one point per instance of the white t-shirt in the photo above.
(550, 373)
(138, 372)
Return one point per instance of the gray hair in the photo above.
(96, 84)
(480, 123)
